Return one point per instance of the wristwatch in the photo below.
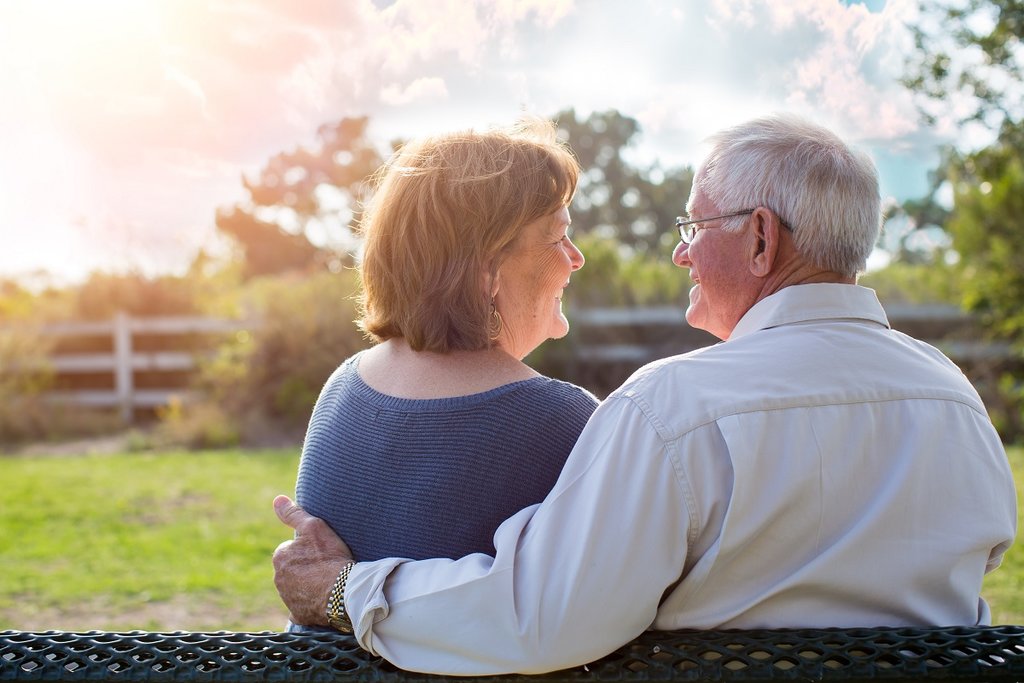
(337, 615)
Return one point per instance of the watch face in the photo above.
(339, 621)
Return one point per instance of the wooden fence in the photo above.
(606, 345)
(123, 360)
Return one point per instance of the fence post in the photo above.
(123, 380)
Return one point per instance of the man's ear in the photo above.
(765, 242)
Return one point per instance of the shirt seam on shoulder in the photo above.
(668, 446)
(810, 404)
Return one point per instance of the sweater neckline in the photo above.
(367, 393)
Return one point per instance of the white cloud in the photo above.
(164, 104)
(839, 63)
(418, 90)
(414, 31)
(547, 13)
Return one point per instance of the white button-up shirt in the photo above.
(817, 469)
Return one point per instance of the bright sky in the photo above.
(126, 123)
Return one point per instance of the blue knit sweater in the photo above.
(426, 478)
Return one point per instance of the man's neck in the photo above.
(798, 272)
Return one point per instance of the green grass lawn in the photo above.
(1004, 588)
(166, 541)
(182, 541)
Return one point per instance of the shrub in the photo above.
(615, 275)
(917, 283)
(260, 385)
(24, 375)
(204, 425)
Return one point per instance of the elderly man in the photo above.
(817, 468)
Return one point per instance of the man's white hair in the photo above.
(826, 191)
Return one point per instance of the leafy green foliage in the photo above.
(937, 282)
(971, 48)
(104, 294)
(986, 225)
(635, 206)
(969, 60)
(199, 426)
(17, 303)
(614, 275)
(266, 380)
(24, 374)
(988, 231)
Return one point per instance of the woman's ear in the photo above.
(493, 282)
(765, 242)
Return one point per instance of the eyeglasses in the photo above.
(686, 234)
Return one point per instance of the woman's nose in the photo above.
(576, 256)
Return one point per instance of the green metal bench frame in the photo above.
(994, 653)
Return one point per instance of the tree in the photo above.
(636, 206)
(969, 62)
(306, 193)
(967, 65)
(971, 49)
(268, 248)
(303, 204)
(987, 225)
(103, 295)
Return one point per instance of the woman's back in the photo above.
(418, 478)
(424, 444)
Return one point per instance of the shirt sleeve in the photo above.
(573, 577)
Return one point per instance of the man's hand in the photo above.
(305, 568)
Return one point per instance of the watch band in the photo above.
(337, 615)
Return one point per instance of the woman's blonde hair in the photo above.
(445, 213)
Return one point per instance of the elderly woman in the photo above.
(422, 445)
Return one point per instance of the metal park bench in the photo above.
(961, 653)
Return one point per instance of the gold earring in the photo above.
(495, 324)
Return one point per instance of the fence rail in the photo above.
(124, 359)
(606, 345)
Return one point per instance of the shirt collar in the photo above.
(805, 303)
